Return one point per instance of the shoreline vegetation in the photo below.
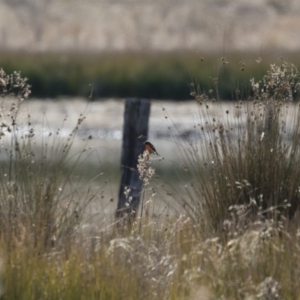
(233, 232)
(152, 75)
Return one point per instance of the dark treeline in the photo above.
(147, 75)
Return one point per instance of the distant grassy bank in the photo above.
(229, 229)
(159, 76)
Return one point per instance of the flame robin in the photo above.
(150, 148)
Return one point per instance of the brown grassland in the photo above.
(236, 235)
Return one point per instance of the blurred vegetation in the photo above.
(150, 75)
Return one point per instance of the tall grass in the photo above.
(236, 236)
(251, 151)
(36, 208)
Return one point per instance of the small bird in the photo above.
(150, 148)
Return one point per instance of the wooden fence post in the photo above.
(135, 132)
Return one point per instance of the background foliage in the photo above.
(150, 75)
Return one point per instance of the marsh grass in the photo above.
(36, 208)
(242, 194)
(236, 235)
(248, 153)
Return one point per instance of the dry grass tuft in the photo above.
(251, 154)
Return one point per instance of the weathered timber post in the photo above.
(135, 132)
(270, 108)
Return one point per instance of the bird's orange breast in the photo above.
(148, 148)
